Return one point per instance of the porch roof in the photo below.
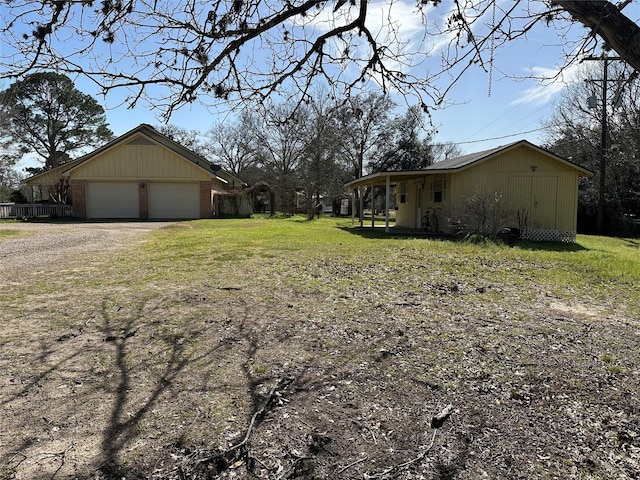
(380, 178)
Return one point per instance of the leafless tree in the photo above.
(606, 144)
(233, 142)
(365, 122)
(170, 53)
(444, 151)
(320, 174)
(190, 139)
(283, 142)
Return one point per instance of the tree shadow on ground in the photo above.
(243, 342)
(397, 233)
(122, 424)
(550, 246)
(632, 242)
(144, 361)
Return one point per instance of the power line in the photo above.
(492, 138)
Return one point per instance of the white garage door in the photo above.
(112, 200)
(174, 200)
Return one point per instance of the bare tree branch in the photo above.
(168, 54)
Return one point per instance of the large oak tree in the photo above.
(169, 53)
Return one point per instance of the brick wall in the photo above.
(206, 204)
(78, 198)
(143, 199)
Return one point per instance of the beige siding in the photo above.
(536, 198)
(529, 180)
(442, 209)
(410, 213)
(151, 162)
(48, 178)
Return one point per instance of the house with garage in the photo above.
(538, 188)
(139, 175)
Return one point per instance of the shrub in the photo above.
(17, 196)
(483, 213)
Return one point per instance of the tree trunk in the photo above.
(607, 21)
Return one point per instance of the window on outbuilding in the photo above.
(402, 193)
(439, 189)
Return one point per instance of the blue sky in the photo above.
(476, 121)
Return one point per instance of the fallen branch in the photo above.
(396, 469)
(294, 472)
(63, 458)
(438, 420)
(260, 413)
(346, 467)
(225, 457)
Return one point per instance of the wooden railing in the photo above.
(32, 210)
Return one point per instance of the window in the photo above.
(402, 193)
(438, 189)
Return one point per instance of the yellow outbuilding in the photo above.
(537, 191)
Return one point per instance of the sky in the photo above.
(487, 111)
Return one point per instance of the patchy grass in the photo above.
(6, 234)
(151, 362)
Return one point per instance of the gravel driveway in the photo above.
(46, 243)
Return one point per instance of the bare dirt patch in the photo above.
(162, 383)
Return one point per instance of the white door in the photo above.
(112, 200)
(174, 200)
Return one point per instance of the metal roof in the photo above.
(456, 164)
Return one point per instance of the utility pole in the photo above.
(604, 135)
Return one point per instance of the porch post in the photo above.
(386, 204)
(353, 206)
(373, 208)
(361, 207)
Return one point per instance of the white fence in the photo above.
(17, 210)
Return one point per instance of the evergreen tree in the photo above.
(44, 114)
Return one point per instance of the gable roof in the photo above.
(460, 163)
(150, 132)
(54, 173)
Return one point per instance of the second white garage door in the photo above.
(174, 200)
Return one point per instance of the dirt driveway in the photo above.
(46, 244)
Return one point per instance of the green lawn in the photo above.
(600, 268)
(9, 234)
(150, 362)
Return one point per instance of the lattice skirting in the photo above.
(549, 236)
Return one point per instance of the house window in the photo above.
(439, 189)
(402, 193)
